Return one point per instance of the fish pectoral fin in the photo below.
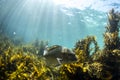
(59, 60)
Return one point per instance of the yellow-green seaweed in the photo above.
(23, 63)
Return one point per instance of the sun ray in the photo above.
(61, 1)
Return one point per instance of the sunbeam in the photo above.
(59, 39)
(61, 1)
(53, 20)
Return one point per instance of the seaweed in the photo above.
(82, 48)
(26, 62)
(15, 64)
(102, 64)
(111, 36)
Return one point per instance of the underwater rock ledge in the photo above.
(25, 62)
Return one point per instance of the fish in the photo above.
(56, 55)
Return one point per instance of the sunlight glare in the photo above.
(57, 2)
(80, 4)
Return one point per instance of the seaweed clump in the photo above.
(16, 64)
(36, 47)
(102, 64)
(85, 68)
(111, 36)
(112, 44)
(82, 48)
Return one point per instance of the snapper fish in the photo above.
(56, 55)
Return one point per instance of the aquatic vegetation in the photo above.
(20, 66)
(14, 64)
(17, 41)
(40, 45)
(84, 71)
(73, 71)
(111, 38)
(112, 41)
(82, 48)
(36, 47)
(23, 63)
(103, 64)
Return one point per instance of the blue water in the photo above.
(57, 22)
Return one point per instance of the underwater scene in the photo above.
(59, 40)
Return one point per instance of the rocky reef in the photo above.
(25, 62)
